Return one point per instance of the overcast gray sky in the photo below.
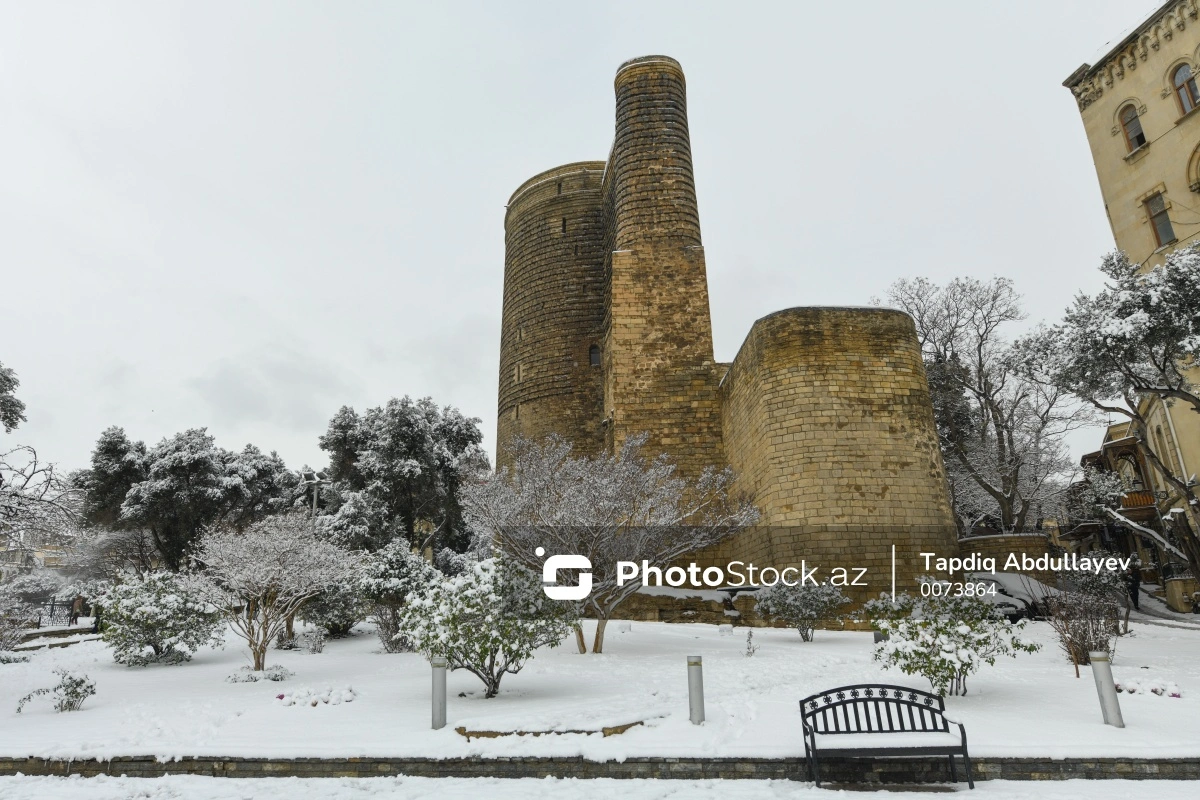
(245, 215)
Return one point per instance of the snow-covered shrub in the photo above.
(801, 607)
(314, 642)
(1084, 623)
(249, 674)
(15, 619)
(943, 639)
(488, 621)
(68, 694)
(387, 579)
(263, 575)
(157, 619)
(286, 641)
(1159, 688)
(337, 609)
(35, 588)
(307, 696)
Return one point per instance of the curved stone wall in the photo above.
(553, 309)
(827, 421)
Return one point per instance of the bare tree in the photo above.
(38, 505)
(260, 577)
(1001, 434)
(622, 507)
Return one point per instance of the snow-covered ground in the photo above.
(195, 788)
(1029, 706)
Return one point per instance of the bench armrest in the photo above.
(951, 719)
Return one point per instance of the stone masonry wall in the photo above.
(553, 310)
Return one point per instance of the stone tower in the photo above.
(824, 414)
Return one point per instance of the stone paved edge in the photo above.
(867, 770)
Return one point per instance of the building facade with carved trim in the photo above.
(1140, 106)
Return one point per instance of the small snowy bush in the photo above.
(286, 641)
(248, 674)
(943, 639)
(306, 696)
(388, 578)
(68, 694)
(337, 609)
(15, 619)
(314, 642)
(488, 620)
(157, 619)
(1084, 623)
(1160, 688)
(801, 607)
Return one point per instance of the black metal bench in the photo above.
(869, 712)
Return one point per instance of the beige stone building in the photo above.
(1140, 105)
(824, 414)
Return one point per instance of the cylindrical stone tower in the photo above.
(660, 378)
(551, 325)
(654, 190)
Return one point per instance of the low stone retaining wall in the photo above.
(870, 771)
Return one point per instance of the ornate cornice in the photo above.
(1088, 83)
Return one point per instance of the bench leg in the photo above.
(967, 762)
(814, 771)
(953, 771)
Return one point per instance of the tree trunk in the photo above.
(598, 642)
(579, 640)
(260, 657)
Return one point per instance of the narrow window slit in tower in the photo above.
(564, 225)
(594, 355)
(560, 187)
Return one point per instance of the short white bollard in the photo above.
(725, 630)
(439, 691)
(624, 626)
(1106, 688)
(696, 689)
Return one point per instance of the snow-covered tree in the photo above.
(260, 577)
(1001, 434)
(623, 507)
(337, 609)
(158, 619)
(1130, 346)
(942, 637)
(801, 607)
(180, 487)
(16, 616)
(407, 459)
(489, 620)
(12, 410)
(388, 578)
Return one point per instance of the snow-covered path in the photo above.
(196, 788)
(1029, 706)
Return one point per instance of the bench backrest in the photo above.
(874, 708)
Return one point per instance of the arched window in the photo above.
(594, 355)
(1185, 88)
(1134, 137)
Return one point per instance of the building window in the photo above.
(1185, 88)
(1156, 208)
(1134, 137)
(564, 225)
(594, 355)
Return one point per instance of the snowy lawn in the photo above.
(1029, 706)
(196, 788)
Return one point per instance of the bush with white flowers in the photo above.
(944, 639)
(489, 620)
(801, 607)
(157, 618)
